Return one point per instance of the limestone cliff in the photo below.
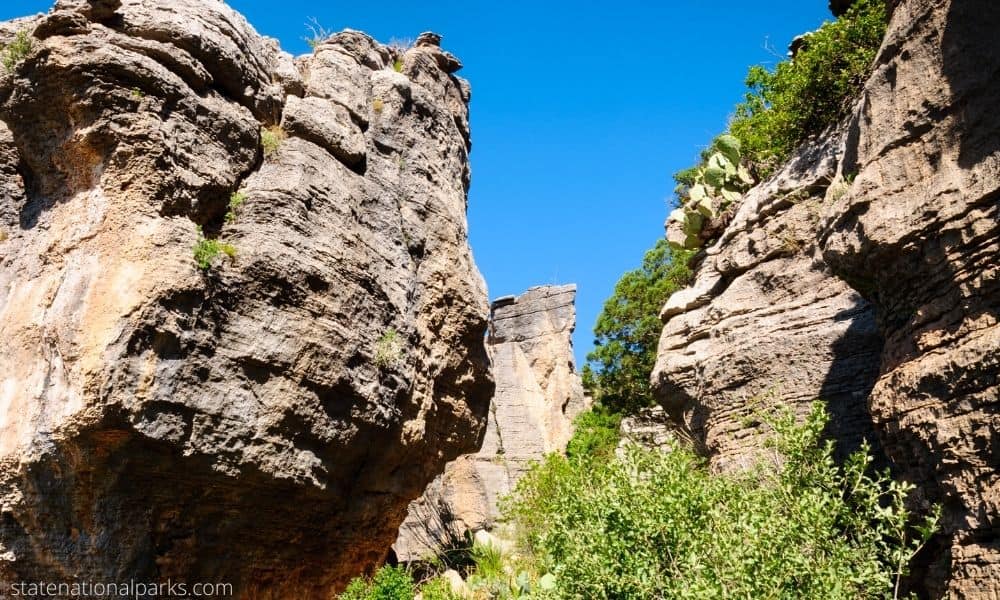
(538, 393)
(265, 421)
(865, 273)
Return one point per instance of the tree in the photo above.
(628, 329)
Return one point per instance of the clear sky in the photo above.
(581, 112)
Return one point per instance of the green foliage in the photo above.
(16, 51)
(709, 190)
(207, 250)
(804, 95)
(397, 65)
(437, 589)
(628, 329)
(236, 200)
(389, 583)
(388, 349)
(489, 561)
(596, 433)
(658, 525)
(271, 139)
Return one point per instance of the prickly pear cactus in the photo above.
(719, 182)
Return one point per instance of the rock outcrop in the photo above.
(650, 428)
(866, 274)
(266, 421)
(538, 394)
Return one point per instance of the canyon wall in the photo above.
(865, 274)
(263, 421)
(538, 394)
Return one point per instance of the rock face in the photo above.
(266, 421)
(650, 428)
(867, 274)
(538, 394)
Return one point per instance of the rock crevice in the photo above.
(264, 422)
(877, 295)
(538, 393)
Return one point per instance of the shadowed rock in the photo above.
(902, 204)
(538, 394)
(264, 422)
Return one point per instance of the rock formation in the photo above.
(266, 421)
(650, 428)
(538, 394)
(865, 273)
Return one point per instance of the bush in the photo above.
(595, 433)
(207, 250)
(659, 525)
(628, 330)
(16, 51)
(804, 95)
(271, 139)
(388, 349)
(389, 583)
(236, 201)
(437, 589)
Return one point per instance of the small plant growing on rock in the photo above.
(397, 65)
(3, 235)
(389, 349)
(400, 45)
(378, 104)
(271, 139)
(207, 250)
(16, 51)
(717, 184)
(236, 200)
(317, 33)
(138, 94)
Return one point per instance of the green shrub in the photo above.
(388, 349)
(271, 139)
(659, 525)
(804, 95)
(389, 583)
(595, 433)
(397, 65)
(628, 330)
(207, 250)
(437, 589)
(16, 51)
(236, 200)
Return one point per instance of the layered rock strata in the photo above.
(538, 394)
(264, 421)
(866, 274)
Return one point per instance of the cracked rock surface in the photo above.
(866, 274)
(538, 394)
(266, 421)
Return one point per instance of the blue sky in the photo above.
(581, 112)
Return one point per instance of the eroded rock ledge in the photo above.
(265, 422)
(538, 394)
(866, 274)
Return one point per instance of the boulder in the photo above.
(263, 422)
